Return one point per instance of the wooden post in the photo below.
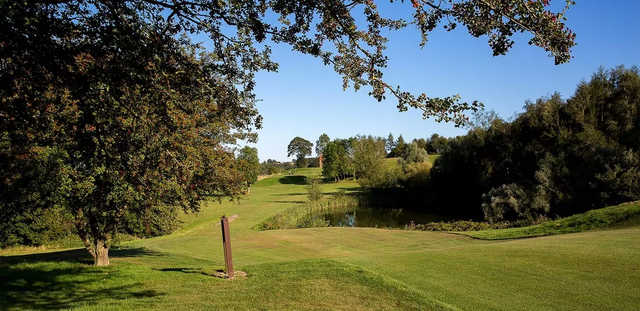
(226, 243)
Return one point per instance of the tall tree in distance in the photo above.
(249, 165)
(390, 143)
(300, 148)
(321, 143)
(399, 148)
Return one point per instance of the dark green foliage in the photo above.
(322, 142)
(399, 148)
(313, 162)
(108, 115)
(557, 158)
(368, 156)
(414, 153)
(508, 202)
(35, 227)
(156, 221)
(338, 161)
(421, 142)
(249, 164)
(437, 144)
(302, 162)
(460, 225)
(300, 148)
(390, 143)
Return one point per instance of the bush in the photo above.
(505, 202)
(416, 175)
(36, 227)
(384, 178)
(156, 222)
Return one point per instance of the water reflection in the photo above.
(376, 217)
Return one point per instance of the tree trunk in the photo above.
(101, 257)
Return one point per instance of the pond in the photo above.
(376, 217)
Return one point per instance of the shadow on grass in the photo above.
(79, 255)
(293, 180)
(217, 273)
(66, 279)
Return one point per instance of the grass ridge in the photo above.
(624, 214)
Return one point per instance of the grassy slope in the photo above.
(333, 268)
(625, 214)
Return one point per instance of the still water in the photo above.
(377, 217)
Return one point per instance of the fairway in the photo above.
(330, 268)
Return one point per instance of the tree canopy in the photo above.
(321, 143)
(300, 148)
(249, 164)
(105, 113)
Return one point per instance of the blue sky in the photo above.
(305, 98)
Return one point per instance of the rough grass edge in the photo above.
(622, 215)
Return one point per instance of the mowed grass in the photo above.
(330, 268)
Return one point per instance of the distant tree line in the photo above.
(379, 163)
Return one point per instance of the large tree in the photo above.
(108, 107)
(300, 148)
(105, 113)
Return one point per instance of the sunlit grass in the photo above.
(330, 268)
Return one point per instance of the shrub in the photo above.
(35, 227)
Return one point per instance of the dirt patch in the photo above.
(232, 217)
(237, 275)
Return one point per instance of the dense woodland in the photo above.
(557, 158)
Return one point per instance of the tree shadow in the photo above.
(293, 180)
(79, 255)
(217, 273)
(65, 279)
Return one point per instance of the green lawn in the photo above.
(330, 268)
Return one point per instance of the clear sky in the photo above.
(305, 98)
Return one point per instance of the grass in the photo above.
(620, 215)
(329, 268)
